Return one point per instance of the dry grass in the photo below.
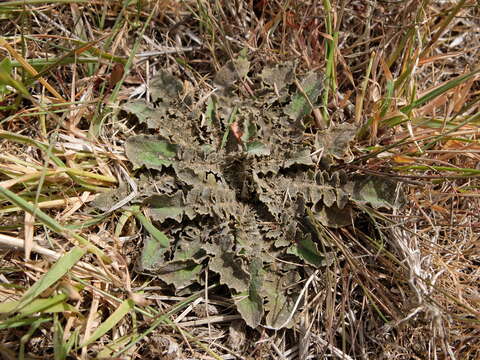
(402, 285)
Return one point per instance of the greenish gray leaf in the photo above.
(301, 157)
(336, 141)
(165, 87)
(230, 267)
(307, 250)
(152, 256)
(162, 207)
(250, 303)
(257, 148)
(231, 72)
(279, 76)
(249, 127)
(281, 296)
(142, 110)
(333, 216)
(377, 191)
(305, 97)
(180, 273)
(105, 201)
(152, 152)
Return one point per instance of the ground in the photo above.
(256, 179)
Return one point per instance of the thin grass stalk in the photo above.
(52, 223)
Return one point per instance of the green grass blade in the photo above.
(50, 222)
(30, 208)
(152, 230)
(14, 323)
(26, 338)
(7, 79)
(96, 123)
(439, 168)
(62, 348)
(58, 270)
(59, 347)
(39, 2)
(112, 320)
(115, 345)
(55, 159)
(439, 91)
(388, 98)
(53, 304)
